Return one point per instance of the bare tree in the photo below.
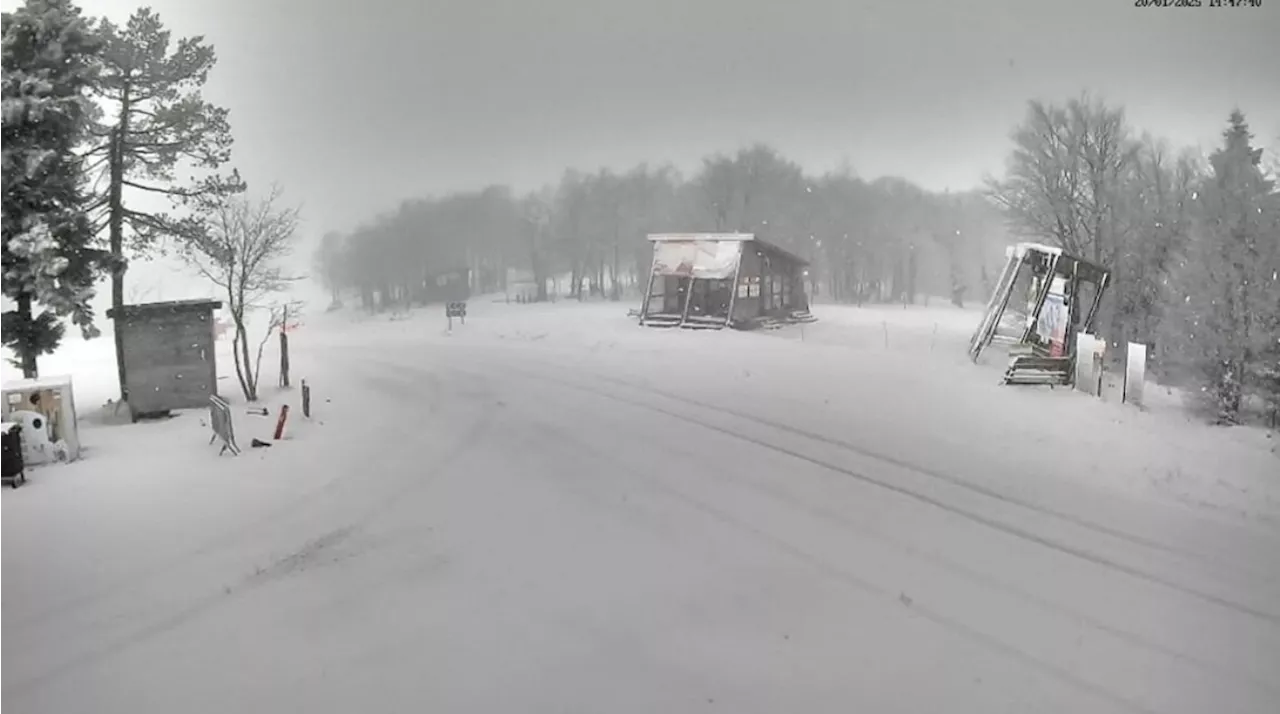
(239, 251)
(1064, 175)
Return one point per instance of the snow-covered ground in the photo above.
(552, 509)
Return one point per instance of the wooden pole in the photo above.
(284, 347)
(688, 298)
(284, 414)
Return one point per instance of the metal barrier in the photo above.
(220, 419)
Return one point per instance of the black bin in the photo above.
(12, 467)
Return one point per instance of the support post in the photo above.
(998, 304)
(688, 298)
(1097, 302)
(648, 295)
(1044, 295)
(733, 290)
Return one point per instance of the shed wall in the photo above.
(169, 360)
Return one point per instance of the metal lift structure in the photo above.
(1043, 299)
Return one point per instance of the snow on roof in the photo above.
(25, 385)
(150, 308)
(725, 237)
(702, 236)
(1023, 248)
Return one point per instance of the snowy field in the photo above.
(552, 509)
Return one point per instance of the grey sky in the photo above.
(354, 105)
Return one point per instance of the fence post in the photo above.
(284, 346)
(284, 414)
(306, 399)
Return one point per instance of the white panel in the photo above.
(708, 260)
(1135, 373)
(1090, 352)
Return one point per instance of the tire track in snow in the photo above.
(1012, 530)
(844, 522)
(163, 622)
(846, 577)
(1210, 560)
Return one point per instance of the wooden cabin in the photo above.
(714, 280)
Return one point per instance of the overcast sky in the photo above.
(352, 106)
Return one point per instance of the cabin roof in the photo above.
(149, 309)
(702, 236)
(728, 237)
(1023, 248)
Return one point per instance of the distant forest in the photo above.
(868, 241)
(1193, 242)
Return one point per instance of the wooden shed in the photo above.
(169, 355)
(714, 280)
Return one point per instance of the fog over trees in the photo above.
(1193, 244)
(96, 113)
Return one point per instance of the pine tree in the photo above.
(1224, 319)
(1266, 373)
(158, 123)
(49, 61)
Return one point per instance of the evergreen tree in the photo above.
(158, 123)
(49, 60)
(1225, 318)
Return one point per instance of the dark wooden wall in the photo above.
(169, 360)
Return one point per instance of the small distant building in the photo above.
(169, 355)
(714, 280)
(448, 286)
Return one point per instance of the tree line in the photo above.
(95, 116)
(870, 241)
(1193, 244)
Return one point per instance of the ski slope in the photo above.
(551, 509)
